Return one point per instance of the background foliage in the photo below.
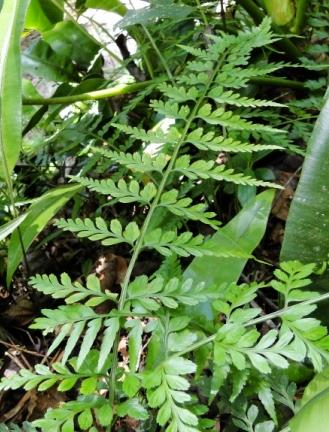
(166, 147)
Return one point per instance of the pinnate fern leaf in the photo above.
(125, 192)
(136, 161)
(72, 292)
(210, 141)
(98, 230)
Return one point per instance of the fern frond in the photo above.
(200, 66)
(136, 161)
(194, 79)
(180, 94)
(166, 390)
(42, 377)
(81, 412)
(77, 321)
(229, 97)
(73, 292)
(125, 192)
(170, 267)
(209, 141)
(182, 207)
(234, 343)
(169, 242)
(98, 230)
(149, 296)
(207, 170)
(152, 136)
(241, 76)
(312, 337)
(230, 120)
(171, 109)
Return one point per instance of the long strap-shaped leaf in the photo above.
(307, 230)
(11, 26)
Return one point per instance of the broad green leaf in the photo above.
(40, 60)
(281, 11)
(11, 24)
(242, 234)
(314, 406)
(109, 5)
(70, 41)
(307, 230)
(9, 227)
(159, 10)
(39, 214)
(42, 15)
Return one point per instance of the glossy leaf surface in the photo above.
(241, 235)
(12, 20)
(307, 230)
(314, 406)
(42, 16)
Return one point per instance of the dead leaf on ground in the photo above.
(21, 313)
(111, 270)
(284, 197)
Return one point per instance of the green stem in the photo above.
(93, 95)
(258, 15)
(132, 88)
(255, 321)
(161, 58)
(301, 8)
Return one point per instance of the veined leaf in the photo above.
(40, 212)
(307, 234)
(42, 16)
(314, 404)
(69, 40)
(242, 234)
(11, 22)
(109, 5)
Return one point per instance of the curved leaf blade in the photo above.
(241, 235)
(11, 22)
(307, 229)
(314, 404)
(40, 212)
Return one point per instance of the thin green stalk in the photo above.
(118, 90)
(140, 241)
(205, 20)
(301, 8)
(255, 321)
(258, 15)
(161, 58)
(132, 88)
